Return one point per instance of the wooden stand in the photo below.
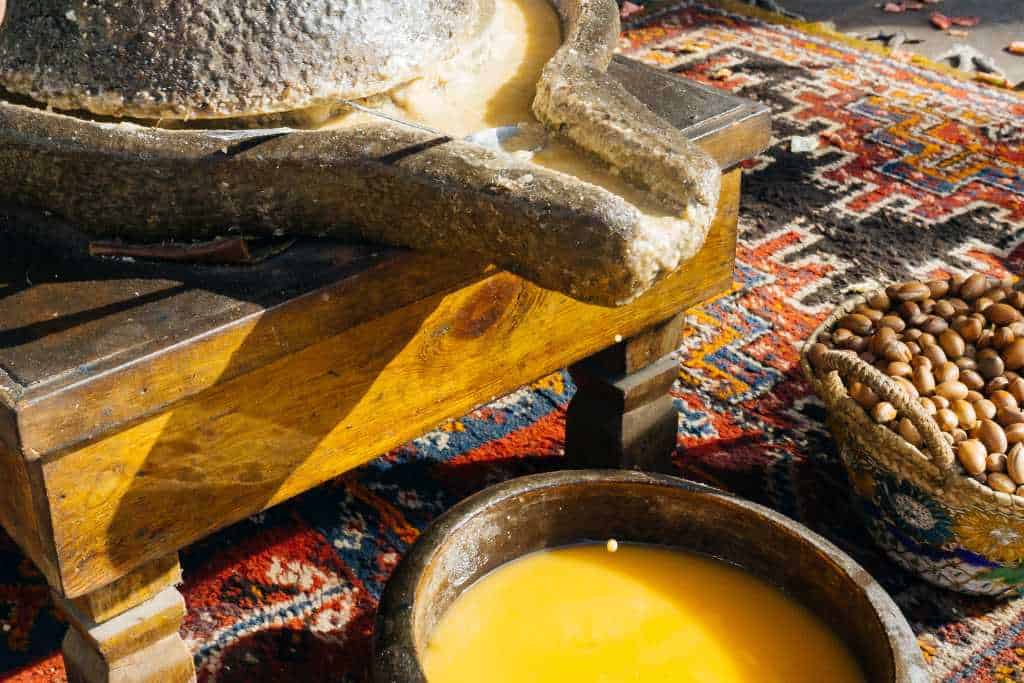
(127, 632)
(622, 415)
(144, 406)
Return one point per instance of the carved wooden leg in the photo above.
(622, 415)
(127, 632)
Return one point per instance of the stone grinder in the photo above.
(145, 405)
(95, 63)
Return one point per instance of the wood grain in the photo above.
(143, 584)
(142, 645)
(269, 434)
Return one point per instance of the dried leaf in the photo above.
(834, 139)
(992, 79)
(804, 143)
(893, 7)
(965, 21)
(629, 8)
(940, 21)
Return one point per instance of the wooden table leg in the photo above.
(127, 632)
(622, 415)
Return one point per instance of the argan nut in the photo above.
(907, 386)
(870, 313)
(935, 354)
(897, 350)
(992, 435)
(1016, 388)
(938, 288)
(898, 368)
(996, 384)
(913, 291)
(944, 309)
(1014, 432)
(863, 395)
(968, 328)
(1015, 464)
(1015, 299)
(1001, 482)
(959, 435)
(1013, 355)
(1003, 399)
(909, 432)
(971, 454)
(965, 415)
(933, 324)
(881, 338)
(927, 340)
(953, 344)
(973, 396)
(995, 462)
(883, 412)
(996, 294)
(1009, 416)
(892, 321)
(981, 303)
(857, 344)
(929, 407)
(965, 363)
(879, 301)
(946, 419)
(973, 287)
(985, 409)
(990, 365)
(921, 362)
(940, 401)
(1002, 314)
(914, 348)
(856, 323)
(913, 334)
(946, 372)
(923, 379)
(952, 390)
(909, 311)
(1003, 337)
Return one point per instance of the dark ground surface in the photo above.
(1002, 21)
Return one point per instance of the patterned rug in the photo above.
(915, 172)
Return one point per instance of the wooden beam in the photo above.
(260, 438)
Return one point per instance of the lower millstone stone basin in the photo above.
(218, 58)
(531, 513)
(373, 179)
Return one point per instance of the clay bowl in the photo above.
(526, 514)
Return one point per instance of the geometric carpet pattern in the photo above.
(915, 173)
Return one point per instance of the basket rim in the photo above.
(907, 449)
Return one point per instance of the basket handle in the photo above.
(883, 387)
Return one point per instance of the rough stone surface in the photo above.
(388, 183)
(215, 58)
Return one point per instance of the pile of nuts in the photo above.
(956, 346)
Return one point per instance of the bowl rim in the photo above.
(395, 658)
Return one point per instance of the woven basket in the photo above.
(930, 518)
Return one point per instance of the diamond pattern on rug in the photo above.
(908, 180)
